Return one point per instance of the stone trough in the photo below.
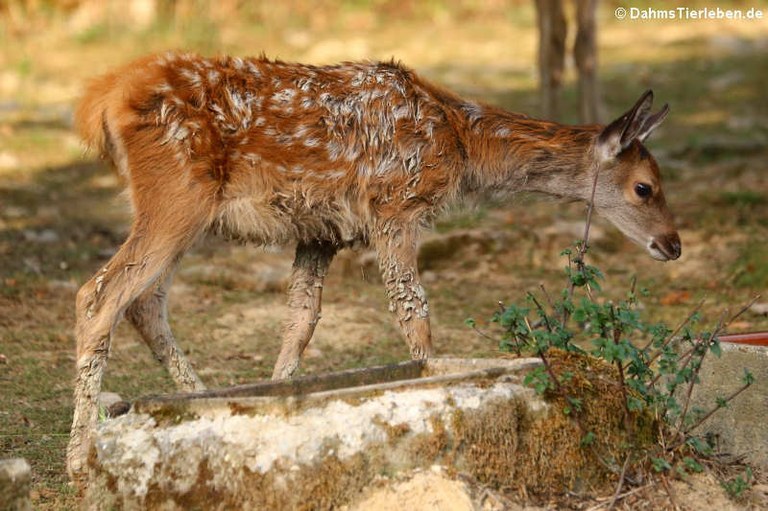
(315, 442)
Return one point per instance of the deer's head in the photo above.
(629, 192)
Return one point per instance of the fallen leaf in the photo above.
(675, 298)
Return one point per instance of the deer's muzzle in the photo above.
(665, 247)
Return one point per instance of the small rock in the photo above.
(44, 236)
(574, 230)
(33, 265)
(312, 352)
(107, 399)
(113, 404)
(726, 81)
(66, 285)
(8, 160)
(759, 309)
(106, 253)
(15, 212)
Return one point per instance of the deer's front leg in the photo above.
(304, 300)
(397, 254)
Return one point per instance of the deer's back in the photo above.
(294, 150)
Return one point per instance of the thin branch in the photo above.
(712, 411)
(483, 334)
(620, 497)
(583, 247)
(621, 483)
(685, 356)
(673, 334)
(706, 344)
(544, 315)
(684, 435)
(743, 310)
(722, 324)
(547, 365)
(622, 382)
(548, 298)
(670, 493)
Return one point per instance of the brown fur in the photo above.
(326, 157)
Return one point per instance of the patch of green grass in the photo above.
(94, 34)
(461, 218)
(738, 485)
(24, 66)
(750, 269)
(744, 198)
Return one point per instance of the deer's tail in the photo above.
(105, 110)
(93, 112)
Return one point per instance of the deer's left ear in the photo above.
(652, 122)
(636, 124)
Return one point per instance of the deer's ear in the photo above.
(652, 122)
(620, 134)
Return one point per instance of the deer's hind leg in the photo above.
(149, 316)
(304, 300)
(159, 235)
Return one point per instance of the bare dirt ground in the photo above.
(61, 216)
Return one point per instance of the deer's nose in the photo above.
(668, 244)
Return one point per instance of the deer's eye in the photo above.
(643, 190)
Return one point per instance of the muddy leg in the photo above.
(407, 299)
(304, 300)
(149, 315)
(141, 261)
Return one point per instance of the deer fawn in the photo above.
(270, 152)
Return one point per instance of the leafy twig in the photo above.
(697, 368)
(671, 336)
(583, 247)
(721, 404)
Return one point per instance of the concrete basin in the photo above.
(309, 443)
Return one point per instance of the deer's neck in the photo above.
(511, 152)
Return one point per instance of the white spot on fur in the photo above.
(284, 96)
(194, 79)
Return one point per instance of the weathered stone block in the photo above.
(15, 482)
(741, 428)
(310, 443)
